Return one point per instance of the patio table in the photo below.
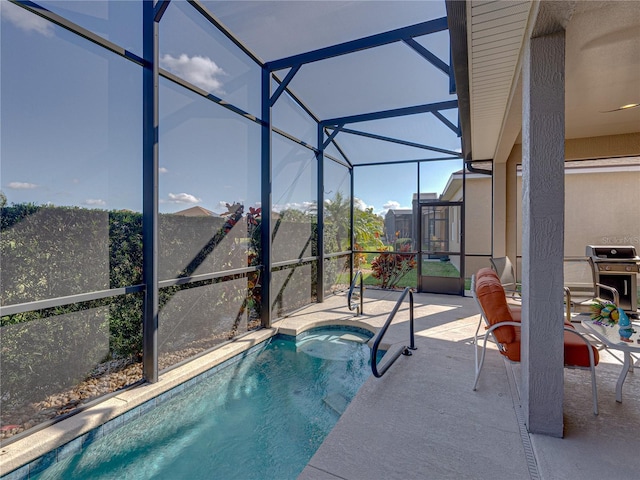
(610, 338)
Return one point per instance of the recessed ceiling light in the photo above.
(623, 107)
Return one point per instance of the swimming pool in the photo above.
(262, 417)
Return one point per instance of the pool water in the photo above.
(259, 418)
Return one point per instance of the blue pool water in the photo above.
(259, 418)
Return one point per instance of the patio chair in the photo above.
(504, 268)
(580, 286)
(502, 325)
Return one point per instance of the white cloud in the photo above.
(360, 205)
(95, 202)
(162, 170)
(391, 204)
(302, 206)
(25, 20)
(201, 71)
(22, 185)
(182, 198)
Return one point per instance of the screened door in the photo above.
(441, 265)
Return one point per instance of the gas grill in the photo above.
(617, 267)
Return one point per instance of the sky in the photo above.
(70, 135)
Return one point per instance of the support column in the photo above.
(352, 232)
(265, 223)
(320, 219)
(150, 195)
(499, 187)
(543, 121)
(514, 209)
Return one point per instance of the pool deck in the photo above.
(423, 421)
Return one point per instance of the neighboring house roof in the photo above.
(400, 211)
(426, 196)
(196, 212)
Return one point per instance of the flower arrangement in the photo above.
(604, 313)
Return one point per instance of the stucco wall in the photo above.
(478, 207)
(602, 207)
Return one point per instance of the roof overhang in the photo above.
(602, 69)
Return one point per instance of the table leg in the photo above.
(625, 368)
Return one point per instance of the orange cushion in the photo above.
(516, 313)
(486, 271)
(576, 353)
(494, 304)
(575, 350)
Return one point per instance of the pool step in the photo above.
(336, 401)
(354, 337)
(331, 345)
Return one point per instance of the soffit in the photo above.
(495, 35)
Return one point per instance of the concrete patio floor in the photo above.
(423, 421)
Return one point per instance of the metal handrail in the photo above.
(392, 354)
(359, 308)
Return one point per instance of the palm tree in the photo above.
(366, 224)
(368, 227)
(338, 212)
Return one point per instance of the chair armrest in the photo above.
(614, 292)
(506, 323)
(567, 293)
(515, 293)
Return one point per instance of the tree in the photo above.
(368, 227)
(338, 213)
(294, 215)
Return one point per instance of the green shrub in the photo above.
(401, 243)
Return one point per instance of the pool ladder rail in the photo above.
(396, 350)
(358, 308)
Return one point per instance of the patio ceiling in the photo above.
(602, 69)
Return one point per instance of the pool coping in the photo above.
(289, 326)
(32, 454)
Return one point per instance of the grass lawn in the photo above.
(410, 279)
(436, 268)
